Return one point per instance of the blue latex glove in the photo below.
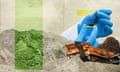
(88, 35)
(102, 19)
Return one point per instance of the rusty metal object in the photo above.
(72, 49)
(97, 51)
(89, 53)
(100, 55)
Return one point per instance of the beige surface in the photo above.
(59, 15)
(7, 14)
(53, 15)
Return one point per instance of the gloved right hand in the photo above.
(102, 19)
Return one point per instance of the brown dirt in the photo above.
(111, 44)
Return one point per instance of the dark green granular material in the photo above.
(28, 49)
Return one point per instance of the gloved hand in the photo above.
(102, 19)
(88, 34)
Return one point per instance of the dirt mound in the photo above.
(111, 44)
(55, 59)
(7, 51)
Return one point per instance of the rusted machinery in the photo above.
(89, 53)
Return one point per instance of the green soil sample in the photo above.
(28, 49)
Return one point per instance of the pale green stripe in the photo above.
(28, 14)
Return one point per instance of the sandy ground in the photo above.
(55, 59)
